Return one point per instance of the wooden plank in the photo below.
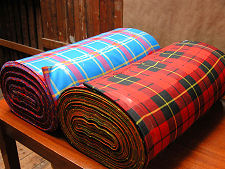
(61, 20)
(118, 13)
(80, 20)
(12, 27)
(110, 14)
(18, 22)
(48, 13)
(37, 9)
(5, 32)
(24, 22)
(103, 16)
(53, 148)
(52, 44)
(2, 18)
(106, 15)
(19, 47)
(53, 20)
(9, 151)
(31, 21)
(70, 21)
(2, 58)
(93, 22)
(6, 54)
(45, 17)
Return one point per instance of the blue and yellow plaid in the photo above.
(91, 58)
(32, 85)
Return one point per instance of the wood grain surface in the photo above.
(176, 20)
(201, 147)
(52, 147)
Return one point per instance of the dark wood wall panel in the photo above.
(73, 20)
(31, 26)
(20, 26)
(174, 20)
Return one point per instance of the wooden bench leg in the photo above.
(9, 151)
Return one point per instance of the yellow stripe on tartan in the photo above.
(83, 71)
(43, 58)
(202, 65)
(94, 77)
(57, 90)
(185, 80)
(53, 84)
(146, 86)
(147, 41)
(100, 53)
(135, 39)
(117, 46)
(174, 99)
(72, 61)
(140, 35)
(92, 53)
(196, 61)
(98, 65)
(175, 121)
(210, 49)
(145, 69)
(28, 63)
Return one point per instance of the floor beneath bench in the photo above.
(28, 159)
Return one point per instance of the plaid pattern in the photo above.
(167, 91)
(32, 85)
(91, 58)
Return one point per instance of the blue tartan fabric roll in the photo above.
(32, 85)
(91, 58)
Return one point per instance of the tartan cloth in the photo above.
(125, 118)
(88, 59)
(32, 85)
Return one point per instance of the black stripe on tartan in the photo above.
(213, 75)
(171, 54)
(187, 43)
(155, 66)
(188, 82)
(123, 79)
(218, 54)
(158, 99)
(143, 128)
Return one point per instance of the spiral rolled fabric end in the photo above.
(101, 129)
(28, 96)
(162, 94)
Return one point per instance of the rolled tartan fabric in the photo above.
(128, 116)
(32, 85)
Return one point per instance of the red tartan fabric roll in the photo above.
(127, 117)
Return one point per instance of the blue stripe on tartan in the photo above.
(82, 61)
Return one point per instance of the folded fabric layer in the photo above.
(127, 117)
(32, 85)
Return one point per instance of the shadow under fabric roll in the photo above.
(128, 116)
(32, 85)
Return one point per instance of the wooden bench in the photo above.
(202, 146)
